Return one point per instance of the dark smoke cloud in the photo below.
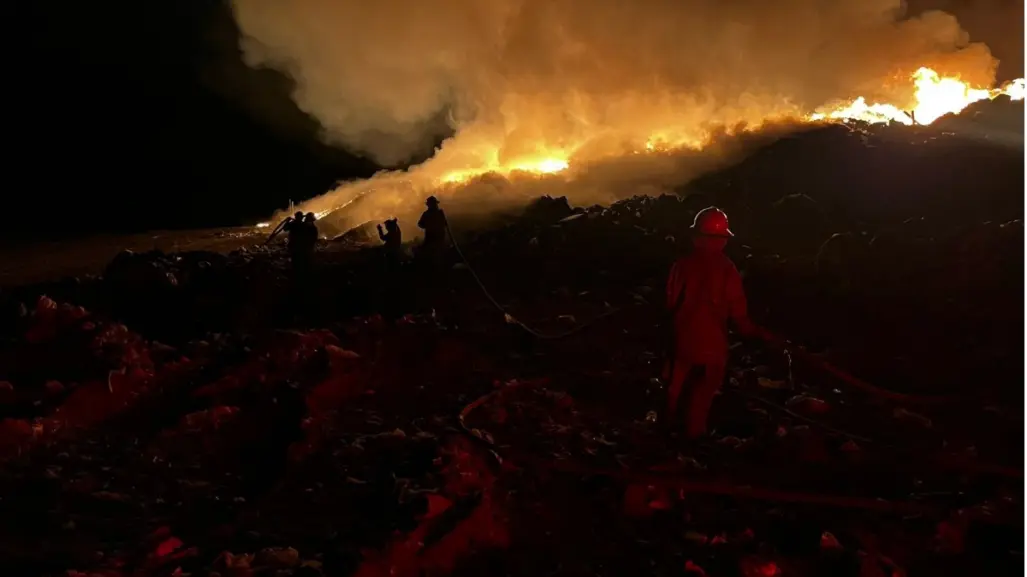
(592, 79)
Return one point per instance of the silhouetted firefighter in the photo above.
(301, 243)
(704, 291)
(286, 225)
(393, 281)
(433, 223)
(310, 232)
(392, 236)
(431, 255)
(302, 233)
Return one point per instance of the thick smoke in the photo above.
(591, 80)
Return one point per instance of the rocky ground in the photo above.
(196, 413)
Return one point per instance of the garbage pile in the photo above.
(927, 238)
(162, 461)
(194, 413)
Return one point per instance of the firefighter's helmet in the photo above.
(711, 222)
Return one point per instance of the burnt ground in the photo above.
(199, 412)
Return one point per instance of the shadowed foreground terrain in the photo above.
(194, 412)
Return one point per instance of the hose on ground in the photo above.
(857, 383)
(805, 419)
(509, 318)
(837, 372)
(691, 485)
(679, 481)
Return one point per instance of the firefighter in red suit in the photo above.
(704, 291)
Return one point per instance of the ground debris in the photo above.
(186, 406)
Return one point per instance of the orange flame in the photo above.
(935, 97)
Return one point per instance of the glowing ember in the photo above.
(935, 97)
(263, 224)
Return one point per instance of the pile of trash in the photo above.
(72, 370)
(197, 413)
(195, 440)
(923, 239)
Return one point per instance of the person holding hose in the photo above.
(704, 291)
(288, 225)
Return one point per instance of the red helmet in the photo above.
(711, 222)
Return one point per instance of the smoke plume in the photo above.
(590, 81)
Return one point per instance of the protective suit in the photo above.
(704, 291)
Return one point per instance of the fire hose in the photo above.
(678, 481)
(682, 481)
(855, 382)
(510, 319)
(776, 340)
(277, 230)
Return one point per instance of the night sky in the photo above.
(131, 116)
(141, 115)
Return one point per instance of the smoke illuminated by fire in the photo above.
(935, 96)
(596, 99)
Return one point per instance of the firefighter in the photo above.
(301, 242)
(433, 223)
(434, 292)
(392, 287)
(287, 225)
(310, 231)
(292, 228)
(704, 291)
(392, 236)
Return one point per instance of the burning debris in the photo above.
(189, 415)
(391, 194)
(935, 97)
